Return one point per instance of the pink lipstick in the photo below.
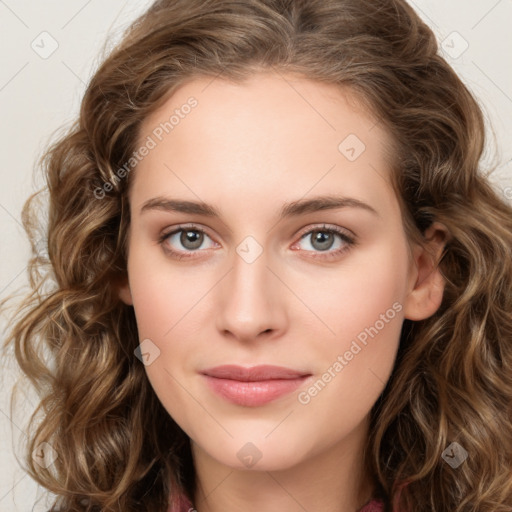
(253, 386)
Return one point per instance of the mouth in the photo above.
(253, 386)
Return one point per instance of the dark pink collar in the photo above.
(184, 505)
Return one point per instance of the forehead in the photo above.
(273, 132)
(268, 100)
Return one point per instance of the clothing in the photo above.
(373, 506)
(184, 505)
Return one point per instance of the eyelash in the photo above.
(326, 255)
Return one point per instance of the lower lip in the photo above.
(253, 394)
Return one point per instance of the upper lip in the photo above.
(253, 373)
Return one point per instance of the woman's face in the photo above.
(291, 254)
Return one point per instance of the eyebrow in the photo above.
(294, 208)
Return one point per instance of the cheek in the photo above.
(169, 312)
(364, 308)
(354, 297)
(161, 304)
(161, 296)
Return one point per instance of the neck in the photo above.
(333, 480)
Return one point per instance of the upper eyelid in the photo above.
(185, 227)
(326, 227)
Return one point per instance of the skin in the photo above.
(247, 149)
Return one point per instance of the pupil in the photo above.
(191, 239)
(323, 239)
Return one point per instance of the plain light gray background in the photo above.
(40, 93)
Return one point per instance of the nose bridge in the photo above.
(251, 302)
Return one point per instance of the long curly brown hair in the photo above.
(118, 449)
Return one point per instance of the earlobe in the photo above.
(124, 292)
(426, 293)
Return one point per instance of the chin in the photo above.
(255, 453)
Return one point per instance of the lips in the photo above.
(253, 374)
(254, 386)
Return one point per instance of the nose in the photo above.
(251, 301)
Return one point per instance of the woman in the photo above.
(281, 281)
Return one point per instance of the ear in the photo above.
(426, 284)
(123, 291)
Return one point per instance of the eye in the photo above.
(330, 240)
(183, 241)
(326, 242)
